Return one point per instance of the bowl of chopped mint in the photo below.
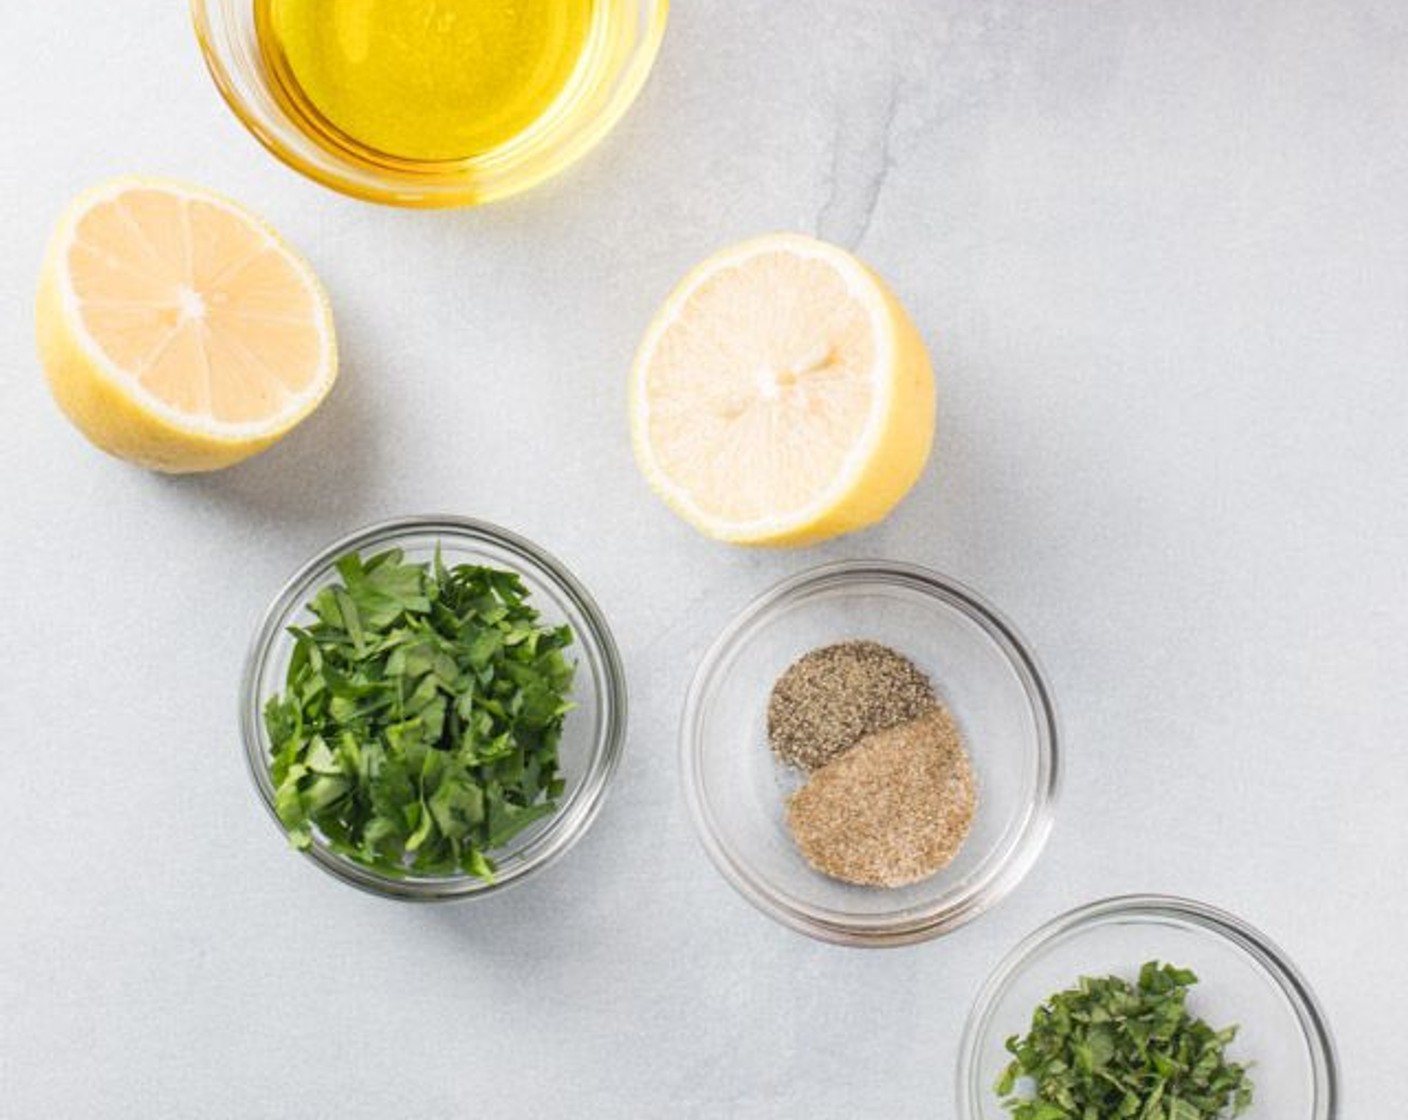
(1147, 1007)
(432, 708)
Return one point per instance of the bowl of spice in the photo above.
(870, 754)
(1147, 1006)
(432, 708)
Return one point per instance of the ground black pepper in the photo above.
(828, 699)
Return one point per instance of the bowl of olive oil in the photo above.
(429, 102)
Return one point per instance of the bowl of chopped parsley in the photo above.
(1147, 1007)
(432, 708)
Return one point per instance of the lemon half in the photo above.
(176, 329)
(781, 395)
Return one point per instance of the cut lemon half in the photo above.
(781, 395)
(176, 329)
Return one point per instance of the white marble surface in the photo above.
(1160, 252)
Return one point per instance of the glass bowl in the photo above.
(593, 732)
(620, 49)
(1242, 978)
(980, 668)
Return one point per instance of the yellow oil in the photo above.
(422, 80)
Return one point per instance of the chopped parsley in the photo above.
(419, 724)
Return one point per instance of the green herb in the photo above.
(419, 725)
(1109, 1050)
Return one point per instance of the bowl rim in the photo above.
(1259, 949)
(578, 809)
(405, 187)
(1036, 824)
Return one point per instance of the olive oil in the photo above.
(424, 81)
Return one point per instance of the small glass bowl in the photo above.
(1242, 978)
(618, 55)
(983, 672)
(593, 733)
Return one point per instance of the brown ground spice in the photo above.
(831, 697)
(893, 809)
